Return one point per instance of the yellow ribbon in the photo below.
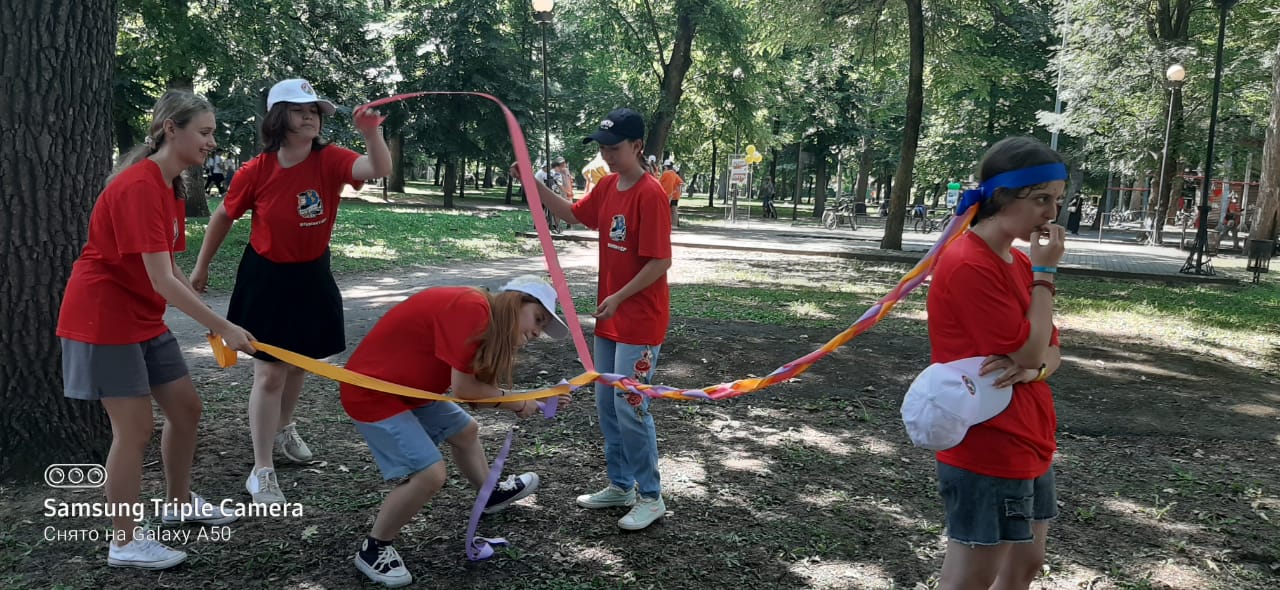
(226, 357)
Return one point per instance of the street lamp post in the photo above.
(542, 14)
(1196, 262)
(1175, 74)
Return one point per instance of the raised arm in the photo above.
(377, 163)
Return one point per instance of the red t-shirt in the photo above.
(634, 226)
(671, 184)
(978, 307)
(417, 343)
(109, 297)
(293, 208)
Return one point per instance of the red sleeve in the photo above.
(337, 163)
(990, 313)
(458, 330)
(655, 227)
(587, 209)
(240, 196)
(180, 225)
(141, 221)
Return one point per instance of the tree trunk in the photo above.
(460, 176)
(395, 182)
(892, 239)
(820, 166)
(58, 62)
(711, 186)
(1269, 181)
(864, 172)
(197, 204)
(439, 166)
(488, 175)
(673, 73)
(450, 181)
(511, 182)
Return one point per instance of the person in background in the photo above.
(672, 184)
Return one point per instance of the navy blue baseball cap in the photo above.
(618, 125)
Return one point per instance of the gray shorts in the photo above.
(984, 510)
(94, 371)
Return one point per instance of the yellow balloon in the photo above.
(751, 149)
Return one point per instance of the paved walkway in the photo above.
(1116, 255)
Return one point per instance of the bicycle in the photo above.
(842, 209)
(927, 225)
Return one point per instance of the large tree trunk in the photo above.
(450, 181)
(395, 182)
(820, 166)
(197, 200)
(673, 73)
(864, 172)
(1269, 185)
(58, 57)
(892, 239)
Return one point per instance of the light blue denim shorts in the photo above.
(408, 442)
(984, 510)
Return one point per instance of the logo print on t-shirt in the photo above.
(618, 229)
(309, 204)
(968, 384)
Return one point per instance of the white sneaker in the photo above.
(198, 511)
(144, 553)
(643, 514)
(608, 497)
(289, 444)
(264, 488)
(386, 568)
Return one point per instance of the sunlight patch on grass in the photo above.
(377, 250)
(808, 310)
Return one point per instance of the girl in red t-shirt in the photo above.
(989, 299)
(444, 338)
(631, 212)
(116, 348)
(285, 293)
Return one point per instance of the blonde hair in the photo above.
(496, 356)
(178, 106)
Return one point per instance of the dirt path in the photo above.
(1168, 468)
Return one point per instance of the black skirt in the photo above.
(295, 306)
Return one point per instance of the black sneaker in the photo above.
(511, 489)
(382, 564)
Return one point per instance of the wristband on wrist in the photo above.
(1048, 269)
(1053, 289)
(1043, 374)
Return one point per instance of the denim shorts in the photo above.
(408, 442)
(94, 371)
(984, 510)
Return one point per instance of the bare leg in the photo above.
(264, 409)
(181, 407)
(292, 391)
(971, 567)
(406, 500)
(1023, 561)
(468, 454)
(131, 427)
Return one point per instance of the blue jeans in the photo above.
(630, 439)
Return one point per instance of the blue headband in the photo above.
(1022, 177)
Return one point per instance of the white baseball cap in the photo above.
(297, 91)
(546, 295)
(947, 398)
